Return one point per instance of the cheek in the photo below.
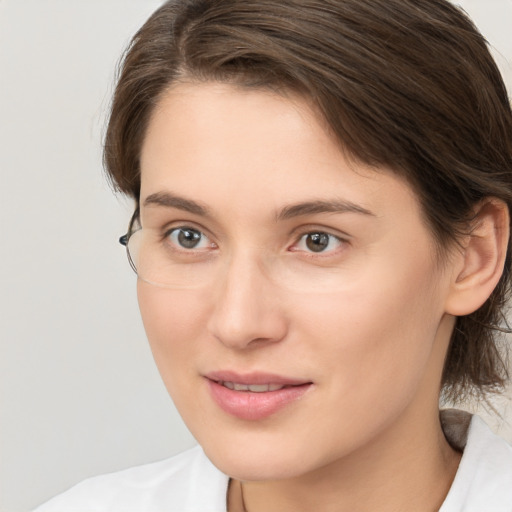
(376, 334)
(173, 321)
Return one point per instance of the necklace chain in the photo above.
(242, 498)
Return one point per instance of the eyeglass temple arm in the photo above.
(124, 239)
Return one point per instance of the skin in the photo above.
(372, 341)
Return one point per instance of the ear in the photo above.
(479, 264)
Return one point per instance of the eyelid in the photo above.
(342, 238)
(181, 225)
(300, 231)
(184, 224)
(296, 234)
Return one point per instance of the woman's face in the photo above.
(304, 269)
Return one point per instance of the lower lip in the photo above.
(248, 405)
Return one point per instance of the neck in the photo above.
(410, 467)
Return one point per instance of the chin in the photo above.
(248, 467)
(260, 456)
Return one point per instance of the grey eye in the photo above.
(188, 238)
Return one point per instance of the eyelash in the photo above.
(318, 234)
(292, 248)
(177, 247)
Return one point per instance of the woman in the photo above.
(321, 238)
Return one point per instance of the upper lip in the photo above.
(254, 378)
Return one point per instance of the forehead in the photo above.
(243, 148)
(201, 120)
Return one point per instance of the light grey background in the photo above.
(79, 393)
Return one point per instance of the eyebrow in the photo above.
(169, 200)
(313, 207)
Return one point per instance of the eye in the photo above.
(318, 242)
(188, 238)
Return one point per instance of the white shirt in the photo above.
(189, 482)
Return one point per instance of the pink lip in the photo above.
(254, 406)
(253, 378)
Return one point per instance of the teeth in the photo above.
(254, 388)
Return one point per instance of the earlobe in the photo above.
(480, 263)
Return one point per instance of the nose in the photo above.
(248, 312)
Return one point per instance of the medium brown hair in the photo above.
(405, 84)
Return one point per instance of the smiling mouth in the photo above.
(255, 401)
(253, 388)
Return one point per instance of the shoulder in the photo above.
(484, 478)
(187, 482)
